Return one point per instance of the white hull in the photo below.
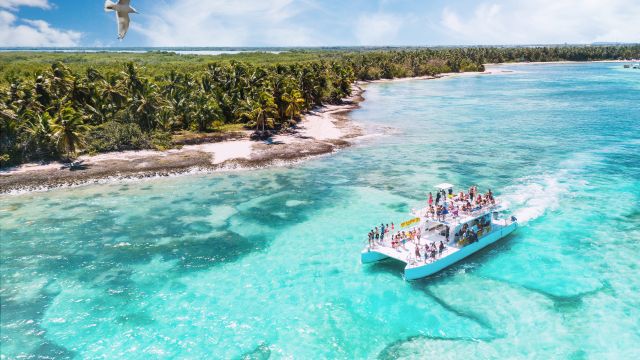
(414, 270)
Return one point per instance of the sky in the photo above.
(237, 23)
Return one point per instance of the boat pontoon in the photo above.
(461, 234)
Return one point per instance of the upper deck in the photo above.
(461, 217)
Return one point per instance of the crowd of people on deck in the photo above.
(445, 203)
(377, 235)
(400, 239)
(430, 251)
(468, 234)
(464, 203)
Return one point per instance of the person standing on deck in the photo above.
(381, 232)
(430, 201)
(438, 198)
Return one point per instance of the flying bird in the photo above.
(122, 10)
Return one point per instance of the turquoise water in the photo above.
(266, 263)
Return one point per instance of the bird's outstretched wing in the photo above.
(124, 2)
(123, 24)
(109, 5)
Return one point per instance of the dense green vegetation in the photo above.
(54, 105)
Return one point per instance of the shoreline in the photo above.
(321, 131)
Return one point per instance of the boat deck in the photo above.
(406, 253)
(463, 216)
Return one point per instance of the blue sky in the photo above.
(320, 23)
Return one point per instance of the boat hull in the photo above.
(371, 256)
(413, 273)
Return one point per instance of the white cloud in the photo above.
(31, 33)
(14, 4)
(377, 29)
(224, 23)
(544, 21)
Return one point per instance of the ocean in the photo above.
(265, 263)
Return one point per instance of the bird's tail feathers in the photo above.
(109, 5)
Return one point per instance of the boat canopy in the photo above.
(444, 186)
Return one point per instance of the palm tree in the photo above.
(279, 84)
(145, 104)
(261, 112)
(61, 80)
(39, 142)
(8, 133)
(131, 80)
(69, 130)
(205, 111)
(295, 104)
(112, 92)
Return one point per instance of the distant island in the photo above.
(56, 106)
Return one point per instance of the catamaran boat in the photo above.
(456, 235)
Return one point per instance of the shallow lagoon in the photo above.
(265, 263)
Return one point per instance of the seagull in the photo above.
(122, 10)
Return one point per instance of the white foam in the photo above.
(122, 244)
(533, 196)
(530, 197)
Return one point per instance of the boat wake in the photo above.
(533, 196)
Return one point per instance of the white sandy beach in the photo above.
(317, 125)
